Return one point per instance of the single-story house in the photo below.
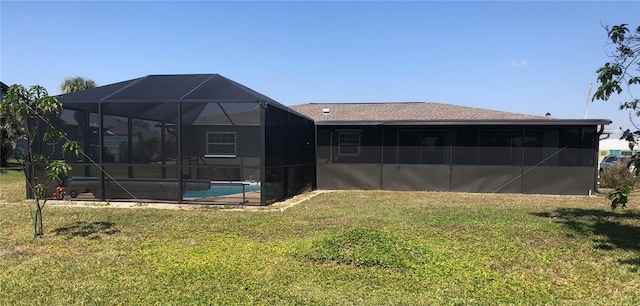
(203, 138)
(615, 146)
(442, 147)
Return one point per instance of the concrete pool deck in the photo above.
(222, 205)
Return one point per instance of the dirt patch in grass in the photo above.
(91, 230)
(10, 251)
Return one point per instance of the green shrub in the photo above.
(617, 175)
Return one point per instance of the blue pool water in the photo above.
(216, 191)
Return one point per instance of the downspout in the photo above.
(597, 153)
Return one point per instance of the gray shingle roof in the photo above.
(415, 112)
(403, 111)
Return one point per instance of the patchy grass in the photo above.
(12, 186)
(338, 248)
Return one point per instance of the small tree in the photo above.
(620, 74)
(28, 114)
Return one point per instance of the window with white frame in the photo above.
(349, 143)
(221, 144)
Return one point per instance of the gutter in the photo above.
(597, 167)
(534, 122)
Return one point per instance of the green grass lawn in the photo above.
(373, 247)
(12, 186)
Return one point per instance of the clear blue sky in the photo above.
(517, 56)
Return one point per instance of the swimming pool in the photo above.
(220, 190)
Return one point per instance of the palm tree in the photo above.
(73, 84)
(77, 83)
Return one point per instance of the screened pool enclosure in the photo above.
(185, 139)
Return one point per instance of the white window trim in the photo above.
(218, 155)
(208, 143)
(340, 145)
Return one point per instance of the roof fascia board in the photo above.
(545, 122)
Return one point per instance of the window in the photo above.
(611, 159)
(349, 143)
(221, 144)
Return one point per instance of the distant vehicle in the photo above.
(611, 160)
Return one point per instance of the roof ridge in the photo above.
(183, 74)
(486, 109)
(317, 103)
(426, 102)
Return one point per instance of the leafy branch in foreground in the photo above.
(614, 77)
(619, 196)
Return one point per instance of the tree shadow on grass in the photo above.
(92, 230)
(611, 230)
